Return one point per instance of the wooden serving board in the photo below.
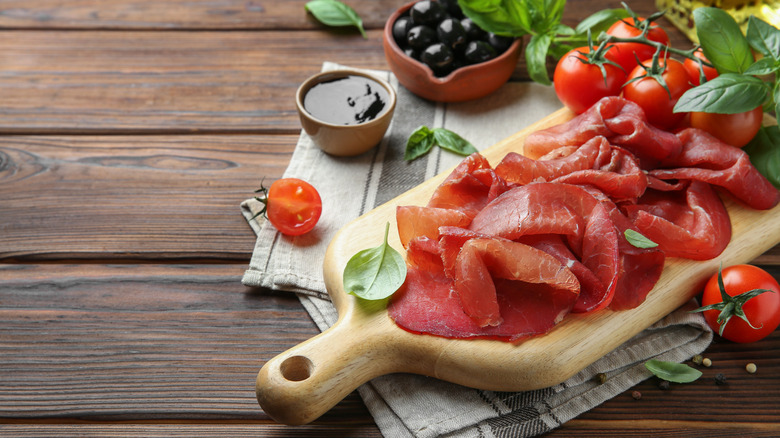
(304, 382)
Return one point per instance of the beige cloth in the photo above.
(417, 406)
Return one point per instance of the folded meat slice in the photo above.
(414, 221)
(707, 159)
(469, 187)
(621, 121)
(518, 169)
(560, 209)
(502, 289)
(692, 223)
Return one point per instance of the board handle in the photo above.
(299, 385)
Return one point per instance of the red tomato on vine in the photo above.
(292, 205)
(626, 54)
(734, 129)
(747, 292)
(694, 72)
(582, 77)
(656, 89)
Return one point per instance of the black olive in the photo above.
(500, 43)
(473, 32)
(437, 56)
(420, 37)
(452, 7)
(479, 51)
(400, 29)
(427, 12)
(410, 52)
(451, 33)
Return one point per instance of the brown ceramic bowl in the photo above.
(339, 139)
(465, 83)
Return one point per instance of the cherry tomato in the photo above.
(626, 54)
(763, 311)
(653, 98)
(293, 206)
(579, 85)
(734, 129)
(693, 69)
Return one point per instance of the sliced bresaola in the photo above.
(414, 221)
(620, 178)
(562, 209)
(621, 121)
(518, 169)
(469, 187)
(707, 159)
(639, 268)
(531, 290)
(692, 223)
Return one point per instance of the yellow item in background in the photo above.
(680, 12)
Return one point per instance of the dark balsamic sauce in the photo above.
(349, 100)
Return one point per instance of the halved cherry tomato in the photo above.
(292, 205)
(626, 54)
(693, 69)
(580, 84)
(652, 97)
(734, 129)
(763, 311)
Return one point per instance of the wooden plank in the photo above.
(177, 14)
(133, 197)
(124, 342)
(173, 82)
(139, 345)
(363, 428)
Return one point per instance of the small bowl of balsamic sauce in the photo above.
(345, 112)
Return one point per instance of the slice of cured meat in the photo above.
(705, 158)
(469, 187)
(414, 221)
(562, 209)
(639, 269)
(531, 288)
(518, 169)
(692, 223)
(621, 121)
(485, 265)
(620, 178)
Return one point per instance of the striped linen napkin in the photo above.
(405, 405)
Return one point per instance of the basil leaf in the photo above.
(726, 94)
(501, 18)
(375, 273)
(763, 66)
(419, 143)
(764, 153)
(722, 41)
(638, 239)
(672, 371)
(335, 13)
(764, 38)
(536, 58)
(600, 21)
(423, 139)
(452, 142)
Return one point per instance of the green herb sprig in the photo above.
(423, 139)
(375, 273)
(673, 371)
(638, 240)
(541, 19)
(335, 13)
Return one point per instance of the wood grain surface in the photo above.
(129, 132)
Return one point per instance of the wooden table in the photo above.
(131, 131)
